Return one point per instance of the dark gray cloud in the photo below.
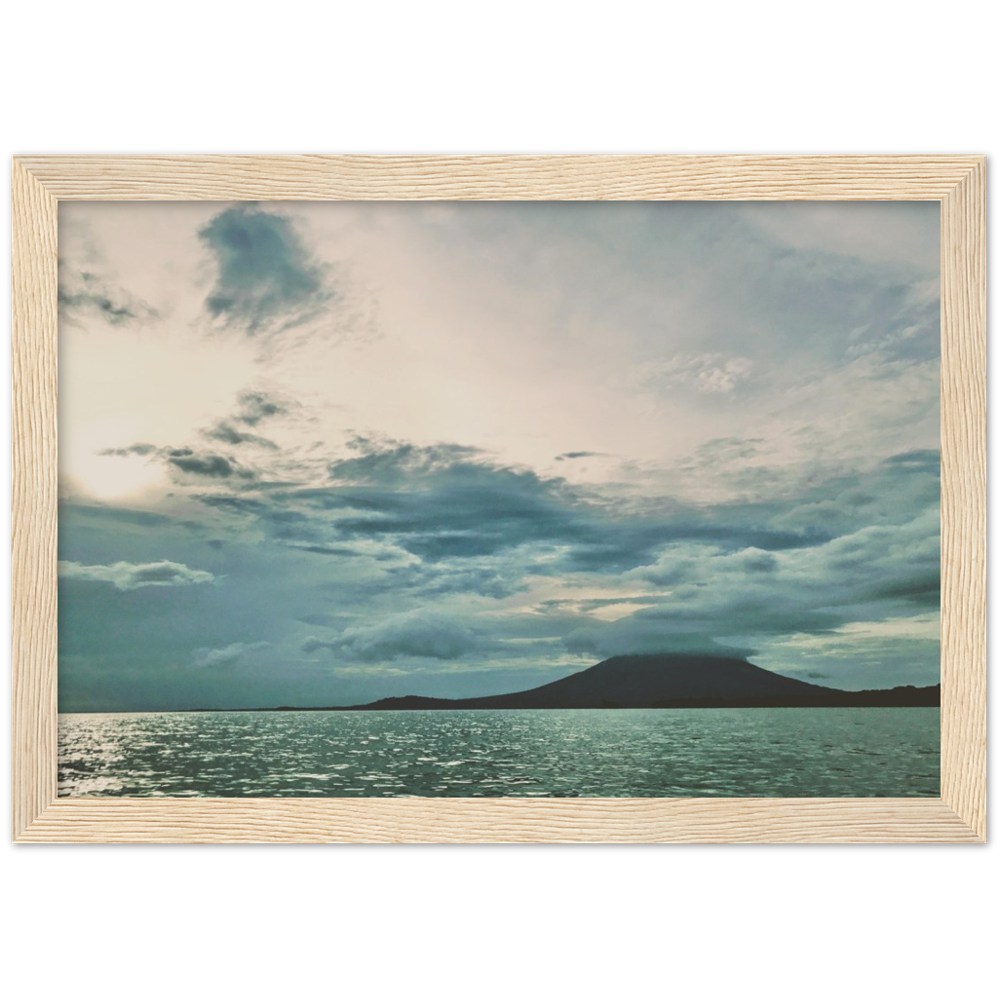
(246, 506)
(205, 464)
(878, 571)
(441, 501)
(446, 503)
(462, 517)
(444, 531)
(84, 293)
(459, 514)
(578, 454)
(267, 279)
(224, 431)
(329, 550)
(388, 462)
(201, 464)
(255, 406)
(419, 634)
(133, 449)
(644, 637)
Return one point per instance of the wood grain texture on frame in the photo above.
(958, 182)
(33, 548)
(576, 178)
(963, 499)
(500, 820)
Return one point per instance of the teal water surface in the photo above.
(813, 752)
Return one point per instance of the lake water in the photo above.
(555, 753)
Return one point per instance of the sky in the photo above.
(323, 453)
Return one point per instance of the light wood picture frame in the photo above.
(958, 182)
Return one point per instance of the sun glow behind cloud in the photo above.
(84, 469)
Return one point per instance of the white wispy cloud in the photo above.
(226, 656)
(132, 576)
(712, 373)
(419, 634)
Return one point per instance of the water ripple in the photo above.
(609, 753)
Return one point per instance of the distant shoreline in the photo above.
(668, 681)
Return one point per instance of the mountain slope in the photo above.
(670, 681)
(641, 681)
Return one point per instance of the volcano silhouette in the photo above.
(671, 681)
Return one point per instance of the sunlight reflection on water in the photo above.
(792, 752)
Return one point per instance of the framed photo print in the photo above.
(588, 498)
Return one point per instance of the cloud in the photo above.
(339, 551)
(246, 506)
(117, 515)
(228, 434)
(132, 576)
(419, 634)
(205, 464)
(493, 577)
(578, 454)
(443, 522)
(725, 451)
(255, 406)
(710, 373)
(441, 500)
(267, 280)
(463, 513)
(922, 460)
(389, 462)
(611, 641)
(879, 232)
(201, 464)
(896, 651)
(445, 503)
(84, 293)
(132, 449)
(226, 656)
(876, 572)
